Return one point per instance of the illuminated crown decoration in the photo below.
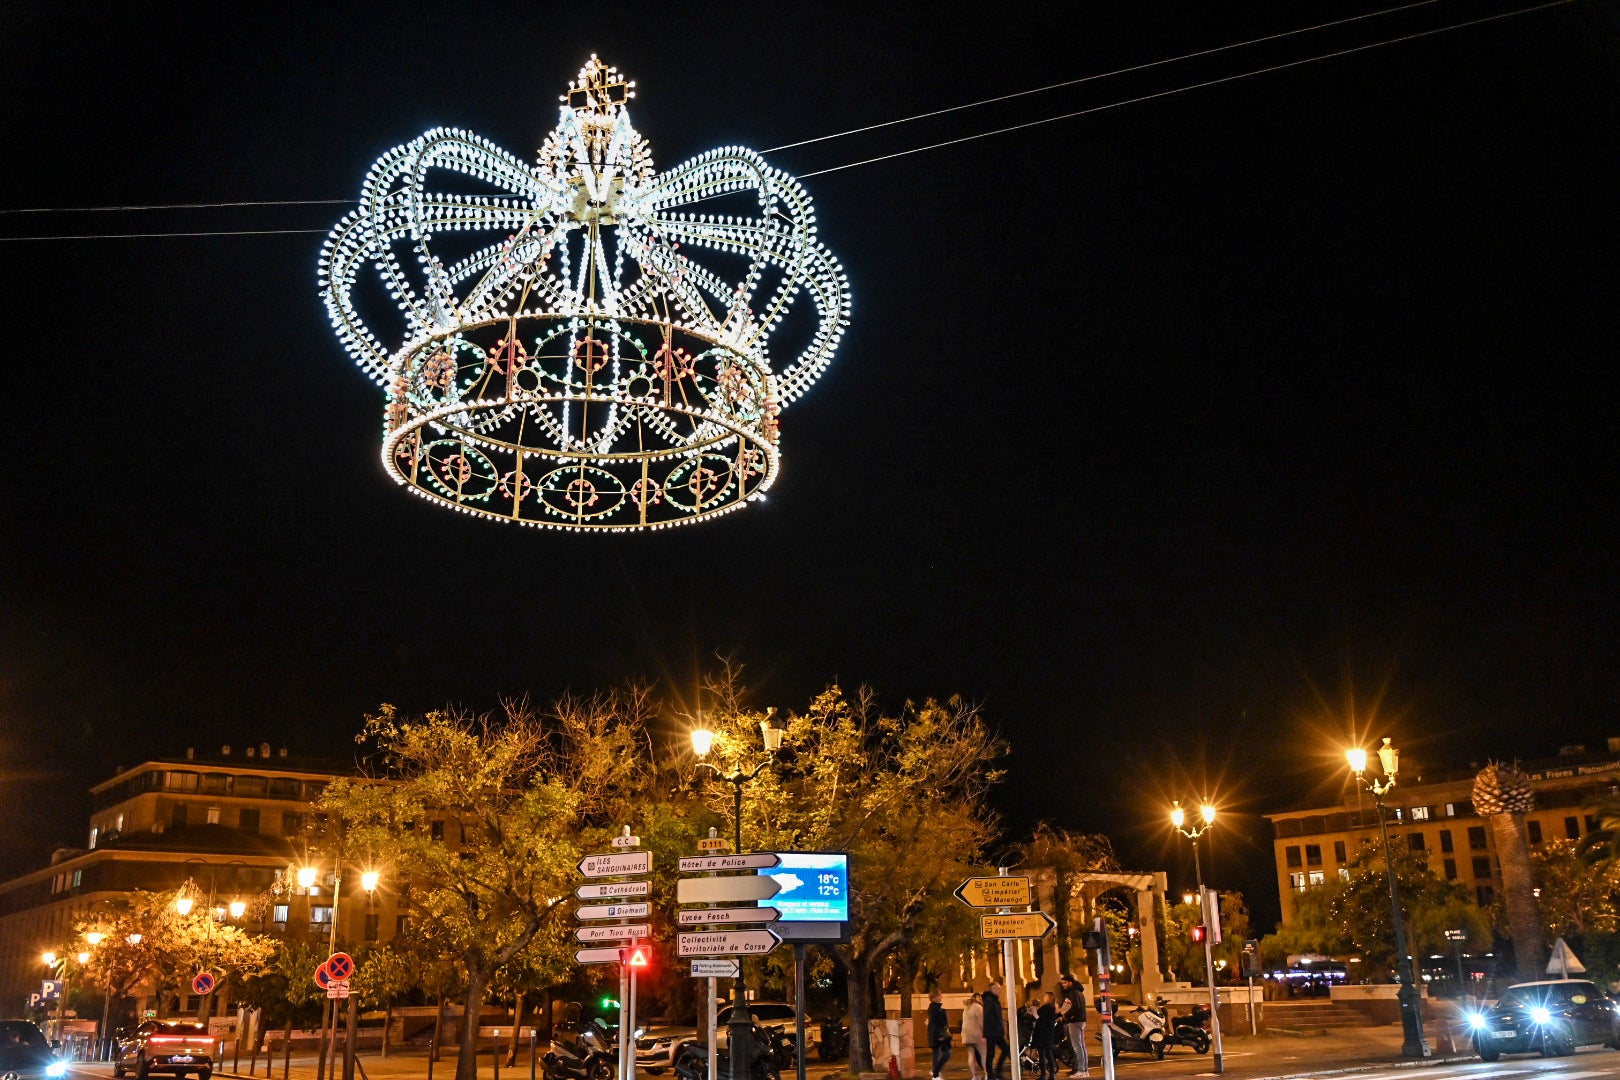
(582, 369)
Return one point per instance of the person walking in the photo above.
(973, 1037)
(1046, 1029)
(995, 1032)
(1072, 1012)
(939, 1033)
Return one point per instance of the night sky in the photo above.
(1188, 436)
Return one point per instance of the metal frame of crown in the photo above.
(590, 367)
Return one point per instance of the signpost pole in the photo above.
(798, 1004)
(1105, 997)
(625, 1034)
(714, 1020)
(1011, 1004)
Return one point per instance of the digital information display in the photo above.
(814, 886)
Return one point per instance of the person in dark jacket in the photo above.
(939, 1033)
(995, 1031)
(1046, 1029)
(1072, 1015)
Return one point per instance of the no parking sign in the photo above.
(202, 984)
(339, 966)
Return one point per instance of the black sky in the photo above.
(1176, 433)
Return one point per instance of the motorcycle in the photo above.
(582, 1051)
(1140, 1033)
(1191, 1031)
(692, 1057)
(833, 1044)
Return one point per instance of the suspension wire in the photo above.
(1103, 75)
(1183, 89)
(1335, 54)
(175, 206)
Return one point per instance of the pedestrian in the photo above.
(1072, 1012)
(995, 1032)
(1046, 1028)
(939, 1033)
(973, 1037)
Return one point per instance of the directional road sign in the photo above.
(727, 943)
(994, 892)
(598, 956)
(713, 843)
(707, 864)
(726, 915)
(616, 865)
(613, 933)
(716, 969)
(626, 841)
(638, 910)
(1031, 924)
(608, 890)
(722, 890)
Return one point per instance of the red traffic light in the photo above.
(1198, 933)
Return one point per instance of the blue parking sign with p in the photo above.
(50, 989)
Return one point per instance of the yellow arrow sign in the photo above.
(994, 892)
(1032, 924)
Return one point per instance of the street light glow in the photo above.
(49, 958)
(1178, 816)
(702, 741)
(368, 880)
(94, 937)
(238, 908)
(306, 877)
(182, 904)
(1208, 813)
(1358, 760)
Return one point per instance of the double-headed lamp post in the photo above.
(1413, 1043)
(740, 1026)
(1178, 821)
(307, 876)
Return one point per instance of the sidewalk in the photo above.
(1247, 1057)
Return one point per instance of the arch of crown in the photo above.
(588, 366)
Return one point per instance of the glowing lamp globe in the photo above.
(587, 343)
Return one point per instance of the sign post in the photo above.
(615, 941)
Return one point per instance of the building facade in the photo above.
(228, 827)
(1434, 816)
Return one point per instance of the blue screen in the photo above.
(815, 886)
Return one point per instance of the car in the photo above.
(1551, 1018)
(25, 1053)
(655, 1046)
(167, 1046)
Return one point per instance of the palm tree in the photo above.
(1503, 796)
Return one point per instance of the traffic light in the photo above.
(610, 1003)
(1199, 932)
(638, 957)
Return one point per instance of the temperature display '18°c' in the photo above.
(814, 886)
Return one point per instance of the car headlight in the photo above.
(1477, 1021)
(1541, 1014)
(56, 1068)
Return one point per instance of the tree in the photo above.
(1580, 889)
(1503, 796)
(485, 819)
(904, 794)
(1068, 853)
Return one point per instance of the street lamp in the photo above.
(368, 882)
(1413, 1043)
(1178, 821)
(740, 1026)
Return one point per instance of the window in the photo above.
(1485, 895)
(78, 878)
(1420, 813)
(216, 783)
(1317, 878)
(1417, 842)
(1445, 840)
(213, 815)
(1338, 851)
(292, 824)
(1476, 838)
(1534, 828)
(1482, 867)
(118, 826)
(94, 833)
(278, 915)
(1572, 828)
(1296, 882)
(1399, 813)
(284, 787)
(1344, 873)
(1313, 854)
(177, 816)
(399, 925)
(436, 830)
(371, 927)
(320, 913)
(1291, 855)
(251, 786)
(1287, 827)
(1451, 869)
(180, 781)
(247, 820)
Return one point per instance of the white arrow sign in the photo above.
(621, 863)
(597, 956)
(727, 943)
(725, 915)
(609, 890)
(722, 890)
(716, 969)
(614, 911)
(613, 933)
(755, 860)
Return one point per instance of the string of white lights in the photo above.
(1334, 54)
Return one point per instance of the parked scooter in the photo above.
(1191, 1031)
(834, 1042)
(582, 1050)
(1140, 1033)
(692, 1057)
